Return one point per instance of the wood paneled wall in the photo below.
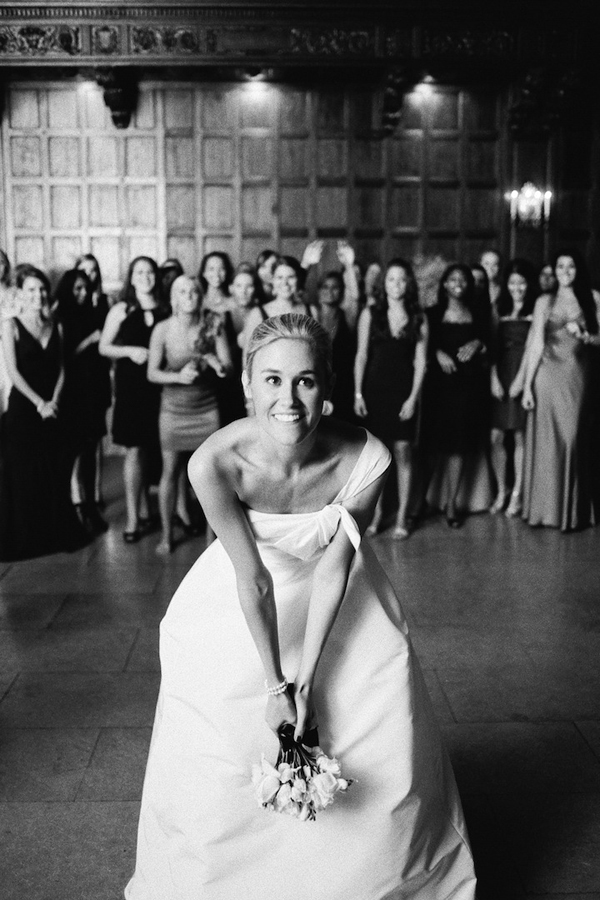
(244, 167)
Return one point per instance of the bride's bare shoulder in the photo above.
(223, 452)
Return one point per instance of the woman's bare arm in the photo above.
(329, 587)
(535, 349)
(107, 347)
(212, 479)
(9, 338)
(360, 361)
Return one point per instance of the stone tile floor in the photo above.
(506, 622)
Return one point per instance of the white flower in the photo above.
(268, 788)
(286, 773)
(329, 764)
(283, 798)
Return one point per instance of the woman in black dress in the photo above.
(388, 375)
(87, 393)
(515, 311)
(36, 514)
(457, 395)
(343, 344)
(126, 338)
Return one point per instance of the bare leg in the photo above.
(404, 472)
(133, 476)
(167, 490)
(454, 470)
(516, 501)
(499, 466)
(182, 497)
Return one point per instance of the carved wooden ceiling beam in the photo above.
(286, 34)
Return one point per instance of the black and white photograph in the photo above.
(299, 450)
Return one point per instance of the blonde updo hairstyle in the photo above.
(293, 326)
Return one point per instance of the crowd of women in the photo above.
(485, 395)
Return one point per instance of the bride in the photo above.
(288, 618)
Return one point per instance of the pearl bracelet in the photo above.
(358, 395)
(280, 688)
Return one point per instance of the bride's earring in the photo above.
(327, 407)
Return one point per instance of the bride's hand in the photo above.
(281, 710)
(305, 711)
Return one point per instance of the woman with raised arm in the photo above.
(287, 620)
(36, 514)
(557, 490)
(188, 354)
(126, 338)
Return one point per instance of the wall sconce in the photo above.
(529, 206)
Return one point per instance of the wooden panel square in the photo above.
(369, 207)
(252, 246)
(179, 110)
(293, 246)
(62, 109)
(294, 207)
(145, 111)
(65, 252)
(221, 242)
(475, 246)
(406, 157)
(405, 207)
(217, 155)
(368, 250)
(443, 110)
(293, 158)
(143, 245)
(104, 205)
(482, 161)
(64, 157)
(446, 248)
(183, 248)
(218, 110)
(97, 115)
(65, 206)
(24, 109)
(443, 160)
(30, 250)
(140, 157)
(441, 209)
(332, 158)
(25, 156)
(106, 249)
(28, 206)
(257, 105)
(368, 159)
(257, 157)
(413, 108)
(481, 111)
(141, 205)
(482, 210)
(257, 211)
(293, 112)
(331, 112)
(365, 108)
(181, 207)
(332, 207)
(217, 210)
(179, 157)
(103, 157)
(405, 248)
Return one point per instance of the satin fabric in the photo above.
(397, 834)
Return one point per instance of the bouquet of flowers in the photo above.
(302, 782)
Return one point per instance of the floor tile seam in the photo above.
(134, 644)
(584, 738)
(443, 692)
(522, 721)
(9, 687)
(87, 767)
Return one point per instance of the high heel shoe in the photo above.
(188, 527)
(498, 504)
(401, 531)
(515, 506)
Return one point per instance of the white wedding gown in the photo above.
(397, 834)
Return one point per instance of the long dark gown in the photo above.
(556, 487)
(36, 515)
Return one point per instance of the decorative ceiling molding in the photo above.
(168, 34)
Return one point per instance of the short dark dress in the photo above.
(36, 514)
(456, 407)
(87, 393)
(137, 400)
(511, 336)
(388, 379)
(343, 347)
